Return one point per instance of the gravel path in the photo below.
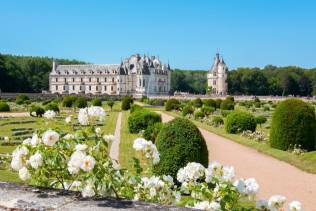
(114, 151)
(274, 176)
(15, 114)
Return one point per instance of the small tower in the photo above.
(217, 77)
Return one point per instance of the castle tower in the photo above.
(217, 77)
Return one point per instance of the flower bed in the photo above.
(79, 161)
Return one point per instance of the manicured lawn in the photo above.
(127, 151)
(305, 162)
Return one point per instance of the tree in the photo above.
(110, 103)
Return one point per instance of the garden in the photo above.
(65, 144)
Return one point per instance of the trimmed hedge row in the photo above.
(140, 119)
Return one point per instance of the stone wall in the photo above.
(23, 197)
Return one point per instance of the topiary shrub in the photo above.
(38, 110)
(96, 102)
(209, 103)
(4, 107)
(172, 104)
(239, 121)
(197, 103)
(81, 102)
(199, 115)
(293, 123)
(68, 101)
(179, 142)
(260, 120)
(207, 110)
(218, 103)
(266, 108)
(187, 110)
(52, 106)
(135, 107)
(126, 103)
(227, 105)
(230, 98)
(141, 119)
(152, 131)
(217, 121)
(20, 99)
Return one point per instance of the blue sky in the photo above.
(186, 32)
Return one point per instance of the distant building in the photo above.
(217, 77)
(136, 75)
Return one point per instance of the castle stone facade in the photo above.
(217, 77)
(136, 76)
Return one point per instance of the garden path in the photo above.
(274, 176)
(114, 151)
(15, 114)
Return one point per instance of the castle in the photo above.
(136, 76)
(217, 77)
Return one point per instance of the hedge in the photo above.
(4, 107)
(172, 104)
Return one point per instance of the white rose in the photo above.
(69, 136)
(35, 140)
(50, 137)
(83, 117)
(75, 162)
(98, 131)
(68, 119)
(81, 147)
(27, 141)
(276, 202)
(88, 191)
(88, 163)
(16, 163)
(6, 138)
(36, 160)
(24, 174)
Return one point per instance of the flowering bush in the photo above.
(79, 161)
(256, 135)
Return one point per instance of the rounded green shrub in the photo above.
(218, 103)
(4, 107)
(20, 99)
(68, 101)
(224, 113)
(52, 106)
(197, 103)
(230, 98)
(38, 110)
(152, 131)
(172, 104)
(266, 108)
(227, 105)
(96, 102)
(179, 142)
(199, 115)
(81, 102)
(141, 119)
(187, 110)
(239, 121)
(209, 103)
(207, 110)
(217, 121)
(126, 103)
(135, 107)
(110, 103)
(261, 119)
(293, 123)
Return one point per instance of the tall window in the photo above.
(65, 80)
(214, 82)
(143, 82)
(104, 79)
(73, 87)
(73, 79)
(89, 79)
(81, 79)
(104, 88)
(98, 80)
(113, 80)
(96, 88)
(140, 82)
(90, 88)
(111, 88)
(56, 79)
(56, 87)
